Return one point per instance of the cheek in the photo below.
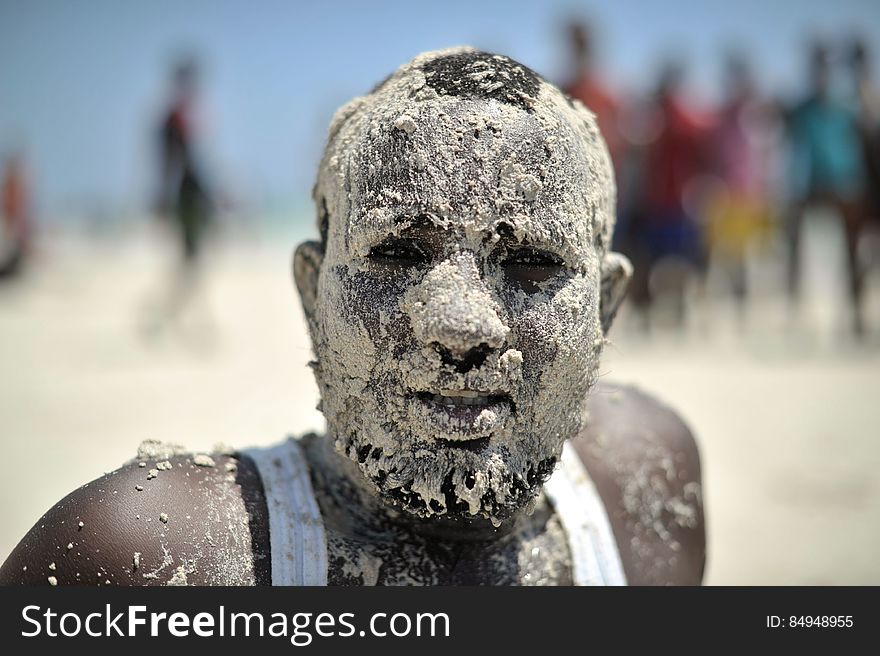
(534, 335)
(371, 302)
(576, 314)
(557, 328)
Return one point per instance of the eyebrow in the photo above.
(423, 220)
(407, 220)
(401, 221)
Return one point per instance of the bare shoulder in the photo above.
(646, 466)
(166, 518)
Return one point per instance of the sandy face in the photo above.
(457, 322)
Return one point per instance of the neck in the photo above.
(359, 506)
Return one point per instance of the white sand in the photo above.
(788, 423)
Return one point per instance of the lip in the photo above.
(462, 415)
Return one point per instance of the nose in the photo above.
(452, 309)
(473, 359)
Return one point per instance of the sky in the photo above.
(83, 84)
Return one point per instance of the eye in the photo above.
(530, 265)
(400, 252)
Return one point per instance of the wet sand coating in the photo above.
(468, 208)
(458, 303)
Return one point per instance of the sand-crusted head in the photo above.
(458, 298)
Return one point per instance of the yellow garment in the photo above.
(735, 223)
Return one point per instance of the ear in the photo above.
(616, 271)
(306, 266)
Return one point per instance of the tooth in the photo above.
(465, 394)
(460, 398)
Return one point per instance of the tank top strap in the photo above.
(594, 554)
(296, 529)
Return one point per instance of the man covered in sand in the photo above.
(458, 303)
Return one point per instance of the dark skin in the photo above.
(217, 525)
(625, 448)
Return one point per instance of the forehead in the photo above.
(469, 164)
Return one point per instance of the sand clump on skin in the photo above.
(157, 450)
(534, 166)
(178, 578)
(203, 460)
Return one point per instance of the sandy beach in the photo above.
(785, 411)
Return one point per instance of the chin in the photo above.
(479, 479)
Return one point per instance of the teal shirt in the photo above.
(825, 149)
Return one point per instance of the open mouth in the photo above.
(463, 398)
(462, 415)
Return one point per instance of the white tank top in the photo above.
(299, 544)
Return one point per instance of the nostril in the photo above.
(472, 359)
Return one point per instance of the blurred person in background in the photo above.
(669, 230)
(585, 84)
(183, 196)
(739, 203)
(867, 102)
(15, 232)
(184, 200)
(827, 170)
